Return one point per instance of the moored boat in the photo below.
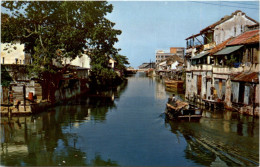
(182, 110)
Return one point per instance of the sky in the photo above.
(148, 26)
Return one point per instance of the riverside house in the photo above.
(223, 69)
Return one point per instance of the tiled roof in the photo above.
(225, 19)
(220, 46)
(246, 77)
(244, 37)
(175, 58)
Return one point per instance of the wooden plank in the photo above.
(192, 116)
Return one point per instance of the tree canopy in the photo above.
(57, 29)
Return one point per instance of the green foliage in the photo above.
(55, 30)
(230, 62)
(102, 76)
(121, 62)
(6, 79)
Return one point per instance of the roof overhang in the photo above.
(251, 77)
(193, 36)
(198, 56)
(228, 50)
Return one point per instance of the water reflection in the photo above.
(209, 146)
(125, 126)
(45, 139)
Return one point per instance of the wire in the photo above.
(240, 3)
(224, 5)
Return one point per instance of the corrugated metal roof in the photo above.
(220, 46)
(253, 40)
(246, 77)
(200, 55)
(243, 37)
(228, 50)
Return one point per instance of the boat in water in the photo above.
(177, 109)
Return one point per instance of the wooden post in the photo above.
(24, 97)
(254, 93)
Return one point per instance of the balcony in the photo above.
(201, 67)
(226, 70)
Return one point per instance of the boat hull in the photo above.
(183, 113)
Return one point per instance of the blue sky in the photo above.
(150, 25)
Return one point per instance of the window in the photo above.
(16, 61)
(235, 31)
(3, 60)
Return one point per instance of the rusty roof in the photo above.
(246, 77)
(225, 18)
(252, 40)
(220, 46)
(244, 37)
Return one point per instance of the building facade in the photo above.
(224, 68)
(14, 54)
(162, 55)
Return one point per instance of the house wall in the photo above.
(208, 93)
(234, 91)
(228, 93)
(174, 65)
(112, 63)
(82, 61)
(13, 54)
(257, 92)
(173, 50)
(231, 27)
(188, 85)
(204, 85)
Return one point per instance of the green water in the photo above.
(128, 127)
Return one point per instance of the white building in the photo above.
(14, 54)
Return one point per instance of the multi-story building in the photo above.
(224, 67)
(162, 55)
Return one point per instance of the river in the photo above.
(127, 127)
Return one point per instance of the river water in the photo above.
(127, 127)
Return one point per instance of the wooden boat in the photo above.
(182, 110)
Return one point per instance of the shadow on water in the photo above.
(42, 139)
(208, 145)
(31, 141)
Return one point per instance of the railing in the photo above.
(206, 67)
(226, 70)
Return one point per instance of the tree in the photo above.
(122, 61)
(55, 30)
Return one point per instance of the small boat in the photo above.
(182, 110)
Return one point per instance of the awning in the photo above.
(228, 50)
(200, 55)
(245, 77)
